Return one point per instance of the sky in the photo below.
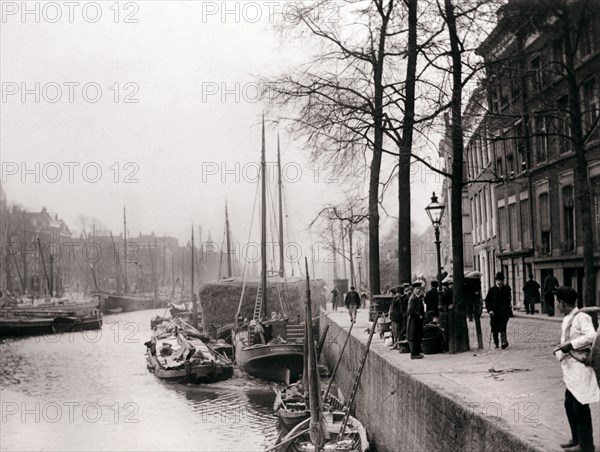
(153, 105)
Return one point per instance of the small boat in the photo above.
(92, 321)
(177, 353)
(325, 429)
(128, 302)
(291, 409)
(354, 438)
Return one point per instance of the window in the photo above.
(503, 225)
(596, 212)
(586, 41)
(515, 239)
(499, 168)
(558, 56)
(590, 106)
(568, 218)
(535, 74)
(540, 136)
(503, 95)
(510, 164)
(484, 232)
(563, 125)
(544, 212)
(526, 223)
(520, 145)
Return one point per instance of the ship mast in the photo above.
(125, 248)
(194, 302)
(281, 265)
(263, 218)
(228, 240)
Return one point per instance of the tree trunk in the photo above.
(374, 278)
(404, 217)
(459, 335)
(582, 181)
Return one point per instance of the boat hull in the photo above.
(204, 373)
(73, 308)
(19, 327)
(354, 440)
(280, 363)
(128, 303)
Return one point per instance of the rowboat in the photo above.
(354, 438)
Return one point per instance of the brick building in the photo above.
(530, 141)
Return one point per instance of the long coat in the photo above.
(498, 301)
(415, 314)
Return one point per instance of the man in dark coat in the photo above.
(498, 305)
(352, 303)
(404, 308)
(531, 292)
(335, 295)
(550, 285)
(396, 317)
(432, 300)
(415, 314)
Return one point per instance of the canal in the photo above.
(92, 391)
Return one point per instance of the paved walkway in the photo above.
(520, 388)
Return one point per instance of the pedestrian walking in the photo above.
(582, 387)
(352, 303)
(531, 292)
(335, 295)
(432, 301)
(550, 286)
(415, 314)
(498, 305)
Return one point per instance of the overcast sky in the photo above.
(162, 117)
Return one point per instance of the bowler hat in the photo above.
(417, 283)
(405, 285)
(567, 295)
(499, 276)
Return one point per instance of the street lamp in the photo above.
(435, 211)
(359, 262)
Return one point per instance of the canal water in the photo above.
(92, 391)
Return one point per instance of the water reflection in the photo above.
(92, 391)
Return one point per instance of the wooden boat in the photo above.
(271, 350)
(176, 353)
(41, 323)
(354, 438)
(128, 302)
(325, 429)
(291, 409)
(54, 305)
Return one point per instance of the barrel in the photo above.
(380, 304)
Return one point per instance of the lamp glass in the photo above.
(435, 211)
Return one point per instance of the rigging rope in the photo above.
(245, 260)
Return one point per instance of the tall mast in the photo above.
(164, 263)
(125, 248)
(334, 251)
(194, 302)
(263, 220)
(228, 240)
(281, 265)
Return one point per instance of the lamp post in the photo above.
(435, 211)
(359, 262)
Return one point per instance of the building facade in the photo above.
(529, 127)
